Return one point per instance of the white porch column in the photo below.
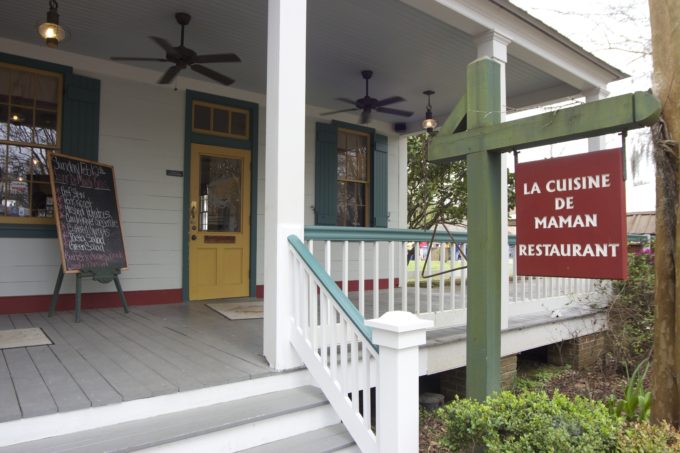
(284, 170)
(596, 143)
(398, 334)
(495, 46)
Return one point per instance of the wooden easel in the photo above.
(99, 275)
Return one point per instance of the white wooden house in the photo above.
(333, 182)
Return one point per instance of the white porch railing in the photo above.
(333, 341)
(364, 260)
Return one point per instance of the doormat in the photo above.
(21, 338)
(239, 310)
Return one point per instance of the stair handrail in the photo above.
(342, 358)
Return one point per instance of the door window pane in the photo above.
(201, 117)
(220, 194)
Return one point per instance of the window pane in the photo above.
(45, 127)
(220, 121)
(21, 125)
(4, 85)
(342, 165)
(201, 117)
(4, 112)
(46, 92)
(220, 180)
(239, 123)
(21, 88)
(17, 169)
(39, 163)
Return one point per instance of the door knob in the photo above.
(193, 237)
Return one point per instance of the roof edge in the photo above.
(558, 37)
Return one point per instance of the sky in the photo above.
(617, 31)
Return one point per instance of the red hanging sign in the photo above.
(571, 217)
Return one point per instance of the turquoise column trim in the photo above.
(332, 288)
(204, 139)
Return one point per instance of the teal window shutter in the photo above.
(379, 182)
(80, 119)
(326, 175)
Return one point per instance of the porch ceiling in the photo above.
(408, 50)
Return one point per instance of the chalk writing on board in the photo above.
(87, 214)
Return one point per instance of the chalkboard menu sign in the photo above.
(87, 216)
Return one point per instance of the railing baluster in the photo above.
(452, 263)
(416, 257)
(327, 257)
(310, 246)
(376, 285)
(390, 283)
(332, 340)
(345, 268)
(404, 276)
(442, 261)
(313, 312)
(345, 366)
(355, 368)
(515, 277)
(362, 278)
(463, 280)
(429, 285)
(323, 328)
(366, 365)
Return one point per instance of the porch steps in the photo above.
(330, 439)
(293, 418)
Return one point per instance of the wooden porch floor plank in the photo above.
(9, 405)
(20, 321)
(222, 359)
(64, 390)
(179, 380)
(127, 386)
(185, 359)
(5, 323)
(33, 395)
(241, 339)
(183, 379)
(115, 349)
(97, 389)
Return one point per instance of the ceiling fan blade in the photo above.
(388, 101)
(349, 101)
(212, 74)
(365, 116)
(394, 111)
(339, 111)
(136, 59)
(164, 44)
(170, 74)
(217, 58)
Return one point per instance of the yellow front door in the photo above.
(219, 222)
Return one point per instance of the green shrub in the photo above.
(631, 312)
(646, 438)
(530, 422)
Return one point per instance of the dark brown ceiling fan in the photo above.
(184, 57)
(367, 104)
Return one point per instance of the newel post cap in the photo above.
(399, 330)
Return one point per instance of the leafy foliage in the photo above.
(530, 422)
(438, 192)
(644, 437)
(631, 312)
(636, 403)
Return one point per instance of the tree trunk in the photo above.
(665, 20)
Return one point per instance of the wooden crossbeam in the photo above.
(628, 111)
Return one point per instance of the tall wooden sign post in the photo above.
(474, 132)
